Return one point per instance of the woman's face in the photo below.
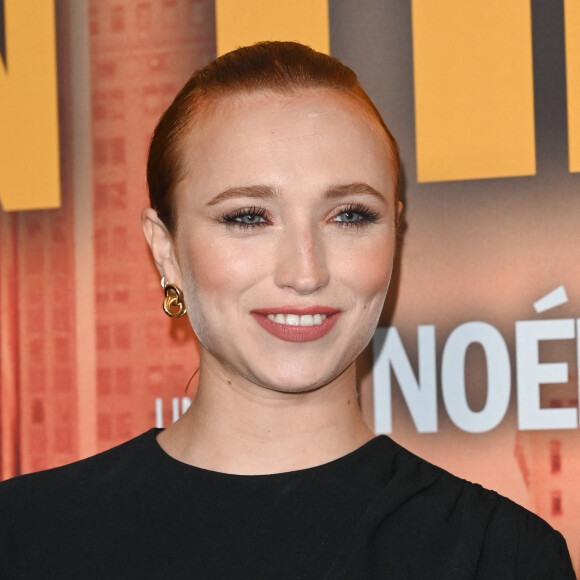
(285, 235)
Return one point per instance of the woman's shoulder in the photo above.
(433, 516)
(84, 475)
(64, 519)
(416, 482)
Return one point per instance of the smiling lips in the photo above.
(297, 324)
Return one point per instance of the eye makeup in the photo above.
(245, 217)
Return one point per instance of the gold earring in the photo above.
(173, 304)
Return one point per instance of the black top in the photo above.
(379, 512)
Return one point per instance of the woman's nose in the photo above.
(302, 262)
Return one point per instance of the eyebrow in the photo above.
(356, 188)
(264, 192)
(255, 191)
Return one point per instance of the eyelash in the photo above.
(367, 216)
(234, 219)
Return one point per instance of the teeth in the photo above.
(298, 320)
(293, 319)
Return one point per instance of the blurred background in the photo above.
(484, 100)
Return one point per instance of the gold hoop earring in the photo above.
(173, 304)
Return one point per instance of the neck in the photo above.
(233, 428)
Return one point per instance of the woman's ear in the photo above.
(162, 248)
(400, 209)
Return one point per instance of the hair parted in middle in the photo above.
(284, 67)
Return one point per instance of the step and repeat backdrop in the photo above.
(475, 365)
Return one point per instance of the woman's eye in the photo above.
(250, 219)
(349, 217)
(356, 216)
(245, 218)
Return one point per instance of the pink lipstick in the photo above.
(297, 324)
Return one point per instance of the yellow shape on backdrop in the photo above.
(29, 149)
(572, 33)
(474, 94)
(243, 22)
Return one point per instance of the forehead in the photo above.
(249, 110)
(243, 135)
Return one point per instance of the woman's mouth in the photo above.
(297, 324)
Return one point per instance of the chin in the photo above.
(297, 388)
(303, 382)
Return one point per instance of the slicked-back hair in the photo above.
(283, 67)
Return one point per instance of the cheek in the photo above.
(219, 269)
(368, 268)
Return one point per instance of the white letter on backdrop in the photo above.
(498, 377)
(420, 395)
(531, 374)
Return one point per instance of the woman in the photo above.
(274, 191)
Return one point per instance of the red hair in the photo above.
(266, 66)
